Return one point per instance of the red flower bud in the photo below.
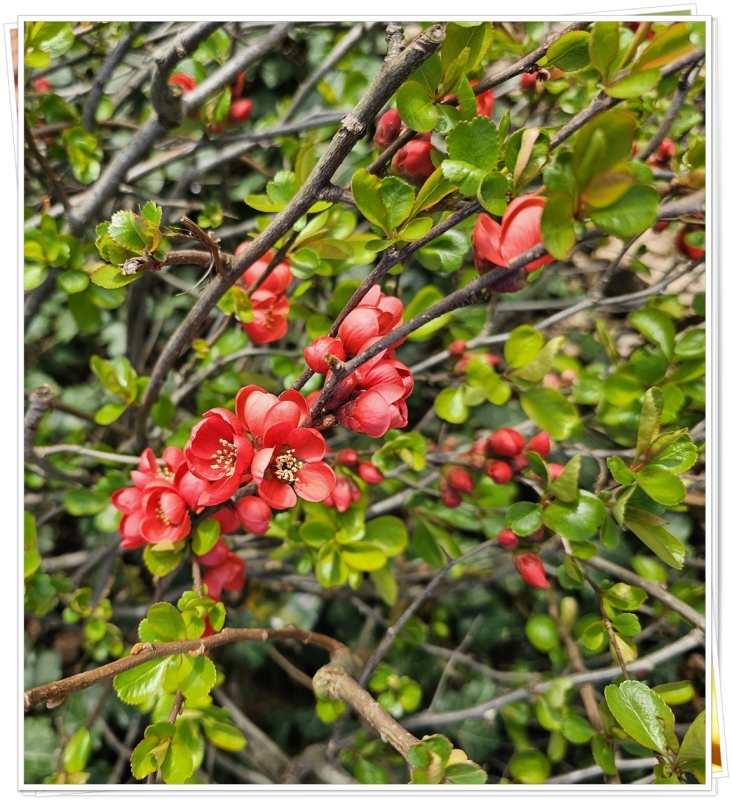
(323, 346)
(666, 150)
(519, 462)
(347, 457)
(528, 81)
(499, 471)
(537, 536)
(449, 496)
(555, 470)
(540, 444)
(184, 81)
(413, 160)
(508, 539)
(686, 249)
(485, 102)
(240, 111)
(369, 473)
(237, 87)
(460, 479)
(255, 514)
(387, 129)
(457, 348)
(530, 568)
(506, 442)
(41, 85)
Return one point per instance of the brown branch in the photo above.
(354, 127)
(334, 682)
(58, 188)
(57, 690)
(41, 400)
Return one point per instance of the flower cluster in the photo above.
(346, 490)
(222, 570)
(453, 484)
(371, 399)
(269, 304)
(503, 453)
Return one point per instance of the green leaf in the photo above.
(450, 405)
(468, 105)
(316, 533)
(166, 622)
(416, 106)
(661, 485)
(529, 765)
(577, 729)
(398, 198)
(541, 630)
(625, 597)
(386, 584)
(642, 714)
(604, 142)
(565, 486)
(551, 412)
(77, 751)
(539, 366)
(522, 346)
(603, 755)
(109, 413)
(206, 536)
(363, 556)
(476, 38)
(304, 263)
(434, 189)
(627, 624)
(369, 772)
(634, 213)
(465, 772)
(110, 277)
(196, 676)
(31, 556)
(656, 327)
(608, 187)
(524, 518)
(693, 748)
(679, 456)
(178, 764)
(475, 143)
(665, 47)
(366, 190)
(446, 253)
(492, 193)
(130, 231)
(650, 421)
(570, 52)
(577, 520)
(331, 570)
(236, 301)
(557, 226)
(85, 502)
(634, 85)
(415, 230)
(426, 546)
(526, 153)
(666, 546)
(152, 213)
(142, 682)
(604, 46)
(144, 759)
(72, 281)
(160, 563)
(387, 533)
(620, 472)
(224, 736)
(423, 300)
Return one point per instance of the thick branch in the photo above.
(41, 401)
(339, 653)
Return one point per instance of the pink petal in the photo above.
(315, 482)
(283, 411)
(260, 462)
(173, 506)
(521, 228)
(276, 435)
(359, 325)
(252, 403)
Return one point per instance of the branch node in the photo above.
(352, 125)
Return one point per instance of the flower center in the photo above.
(161, 515)
(166, 474)
(286, 467)
(225, 459)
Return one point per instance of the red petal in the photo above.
(173, 506)
(487, 242)
(315, 482)
(260, 462)
(521, 226)
(359, 325)
(277, 494)
(283, 411)
(252, 403)
(308, 444)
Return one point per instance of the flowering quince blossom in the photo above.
(344, 493)
(254, 514)
(225, 570)
(219, 451)
(269, 304)
(496, 245)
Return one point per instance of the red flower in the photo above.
(259, 411)
(369, 473)
(149, 468)
(276, 282)
(496, 245)
(413, 160)
(218, 451)
(184, 81)
(540, 444)
(348, 457)
(290, 465)
(530, 568)
(460, 479)
(485, 101)
(387, 129)
(499, 471)
(508, 539)
(270, 317)
(457, 348)
(376, 315)
(227, 519)
(226, 570)
(254, 514)
(344, 493)
(505, 442)
(128, 501)
(323, 346)
(164, 514)
(240, 111)
(528, 81)
(449, 496)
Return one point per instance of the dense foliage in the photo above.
(364, 398)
